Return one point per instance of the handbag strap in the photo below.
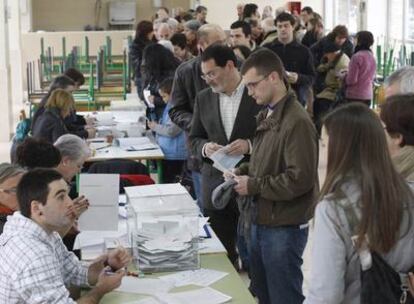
(364, 253)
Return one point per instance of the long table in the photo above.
(212, 256)
(104, 151)
(231, 285)
(111, 152)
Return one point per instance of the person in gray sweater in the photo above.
(363, 196)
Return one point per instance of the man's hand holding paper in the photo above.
(210, 148)
(118, 258)
(223, 161)
(238, 147)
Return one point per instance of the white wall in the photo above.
(26, 22)
(5, 79)
(15, 45)
(224, 12)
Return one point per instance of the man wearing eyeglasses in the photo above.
(282, 177)
(187, 83)
(224, 118)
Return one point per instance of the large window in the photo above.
(347, 12)
(410, 21)
(396, 19)
(392, 20)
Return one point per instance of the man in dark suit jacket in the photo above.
(224, 116)
(187, 83)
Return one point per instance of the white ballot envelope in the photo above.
(102, 191)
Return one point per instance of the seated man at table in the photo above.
(35, 266)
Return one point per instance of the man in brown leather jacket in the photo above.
(282, 177)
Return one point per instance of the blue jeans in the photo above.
(275, 260)
(196, 176)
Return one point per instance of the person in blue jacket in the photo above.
(170, 138)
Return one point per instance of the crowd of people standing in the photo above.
(274, 91)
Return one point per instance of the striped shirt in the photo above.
(36, 267)
(229, 106)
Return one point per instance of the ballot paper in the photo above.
(201, 277)
(144, 286)
(165, 244)
(223, 161)
(135, 143)
(145, 301)
(102, 191)
(200, 296)
(104, 118)
(147, 94)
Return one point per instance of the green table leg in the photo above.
(159, 170)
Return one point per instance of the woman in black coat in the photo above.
(158, 64)
(50, 124)
(75, 124)
(144, 35)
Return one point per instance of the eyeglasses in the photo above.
(9, 191)
(253, 85)
(210, 75)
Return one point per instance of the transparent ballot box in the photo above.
(163, 228)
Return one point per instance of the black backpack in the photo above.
(380, 283)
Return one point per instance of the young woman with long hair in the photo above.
(360, 180)
(144, 35)
(158, 63)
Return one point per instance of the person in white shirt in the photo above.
(35, 266)
(223, 118)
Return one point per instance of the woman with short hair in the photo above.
(363, 196)
(397, 114)
(74, 152)
(10, 176)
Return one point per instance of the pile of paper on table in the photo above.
(163, 227)
(135, 143)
